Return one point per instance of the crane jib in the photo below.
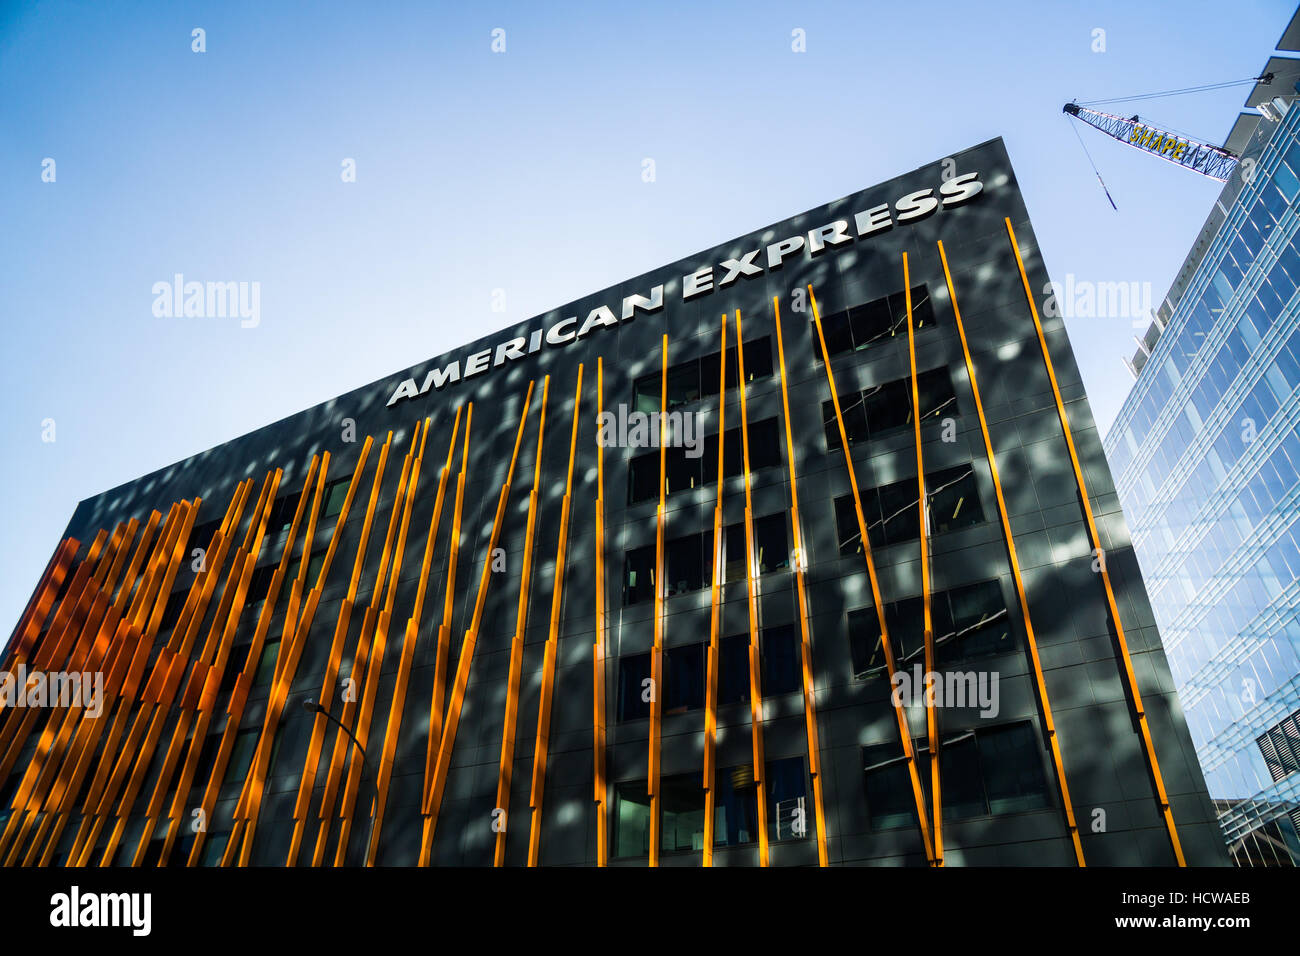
(1214, 162)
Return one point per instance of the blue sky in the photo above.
(478, 171)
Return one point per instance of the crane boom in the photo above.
(1214, 162)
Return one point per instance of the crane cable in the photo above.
(1091, 163)
(1189, 89)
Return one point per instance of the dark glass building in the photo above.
(645, 580)
(1207, 459)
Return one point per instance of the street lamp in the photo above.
(315, 708)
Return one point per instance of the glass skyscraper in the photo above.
(1207, 464)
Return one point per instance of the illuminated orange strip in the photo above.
(87, 626)
(77, 638)
(104, 658)
(715, 607)
(178, 650)
(158, 585)
(398, 703)
(356, 768)
(904, 734)
(54, 647)
(448, 740)
(552, 646)
(657, 649)
(135, 653)
(214, 561)
(180, 646)
(931, 717)
(755, 657)
(1049, 724)
(205, 684)
(185, 637)
(443, 650)
(42, 601)
(325, 699)
(66, 788)
(505, 767)
(598, 649)
(51, 751)
(800, 566)
(246, 825)
(293, 640)
(366, 645)
(1162, 798)
(241, 836)
(110, 582)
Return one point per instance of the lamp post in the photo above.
(315, 708)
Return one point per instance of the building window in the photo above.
(633, 672)
(733, 676)
(889, 406)
(885, 409)
(985, 772)
(631, 820)
(638, 575)
(686, 673)
(681, 815)
(241, 755)
(172, 612)
(846, 525)
(335, 493)
(969, 621)
(782, 661)
(972, 621)
(890, 800)
(682, 805)
(688, 560)
(1012, 769)
(314, 564)
(681, 471)
(787, 799)
(771, 552)
(900, 519)
(214, 848)
(201, 535)
(1281, 747)
(735, 814)
(685, 678)
(259, 587)
(880, 320)
(643, 478)
(892, 516)
(234, 667)
(282, 512)
(735, 809)
(764, 450)
(266, 666)
(690, 381)
(685, 565)
(953, 500)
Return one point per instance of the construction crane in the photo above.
(1214, 162)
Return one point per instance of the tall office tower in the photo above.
(1207, 462)
(656, 578)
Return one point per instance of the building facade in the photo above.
(1207, 462)
(641, 581)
